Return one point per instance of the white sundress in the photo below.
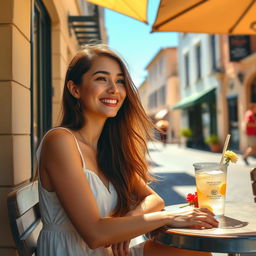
(58, 236)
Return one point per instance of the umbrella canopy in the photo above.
(136, 9)
(207, 16)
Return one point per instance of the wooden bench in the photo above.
(253, 179)
(24, 218)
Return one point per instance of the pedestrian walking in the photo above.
(163, 125)
(250, 130)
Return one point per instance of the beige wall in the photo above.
(162, 70)
(14, 106)
(173, 96)
(15, 151)
(143, 92)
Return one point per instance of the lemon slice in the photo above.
(222, 189)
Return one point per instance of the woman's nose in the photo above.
(112, 87)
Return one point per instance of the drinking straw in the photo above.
(225, 148)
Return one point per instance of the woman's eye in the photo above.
(120, 81)
(101, 78)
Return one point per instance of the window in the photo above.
(41, 97)
(152, 103)
(213, 52)
(198, 62)
(162, 95)
(186, 60)
(155, 99)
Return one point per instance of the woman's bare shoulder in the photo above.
(59, 138)
(60, 148)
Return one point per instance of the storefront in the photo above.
(200, 112)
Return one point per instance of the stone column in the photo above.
(15, 153)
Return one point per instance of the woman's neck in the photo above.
(91, 131)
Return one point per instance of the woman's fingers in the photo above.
(126, 247)
(204, 218)
(115, 249)
(207, 211)
(197, 218)
(121, 249)
(201, 225)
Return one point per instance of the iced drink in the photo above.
(211, 186)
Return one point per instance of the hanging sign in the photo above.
(239, 47)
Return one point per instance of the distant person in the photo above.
(250, 130)
(162, 125)
(93, 174)
(163, 135)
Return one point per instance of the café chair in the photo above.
(24, 217)
(253, 179)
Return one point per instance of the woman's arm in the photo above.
(150, 201)
(62, 162)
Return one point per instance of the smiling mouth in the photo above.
(109, 102)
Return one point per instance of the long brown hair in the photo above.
(122, 146)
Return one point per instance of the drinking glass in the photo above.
(211, 186)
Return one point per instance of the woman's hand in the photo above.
(121, 249)
(200, 218)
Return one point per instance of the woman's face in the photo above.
(103, 88)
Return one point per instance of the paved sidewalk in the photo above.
(173, 165)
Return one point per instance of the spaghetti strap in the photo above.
(64, 128)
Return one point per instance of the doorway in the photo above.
(41, 86)
(233, 122)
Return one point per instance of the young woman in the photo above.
(93, 173)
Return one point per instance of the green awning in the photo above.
(207, 95)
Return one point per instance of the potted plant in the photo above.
(186, 134)
(213, 142)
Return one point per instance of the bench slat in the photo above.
(25, 218)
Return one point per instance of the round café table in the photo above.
(236, 233)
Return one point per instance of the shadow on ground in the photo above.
(165, 183)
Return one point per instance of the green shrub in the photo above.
(212, 139)
(187, 132)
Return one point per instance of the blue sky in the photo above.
(134, 42)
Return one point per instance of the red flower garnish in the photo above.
(192, 199)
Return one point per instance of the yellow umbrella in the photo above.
(207, 16)
(136, 9)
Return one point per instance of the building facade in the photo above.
(199, 66)
(238, 85)
(143, 92)
(162, 91)
(217, 84)
(37, 40)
